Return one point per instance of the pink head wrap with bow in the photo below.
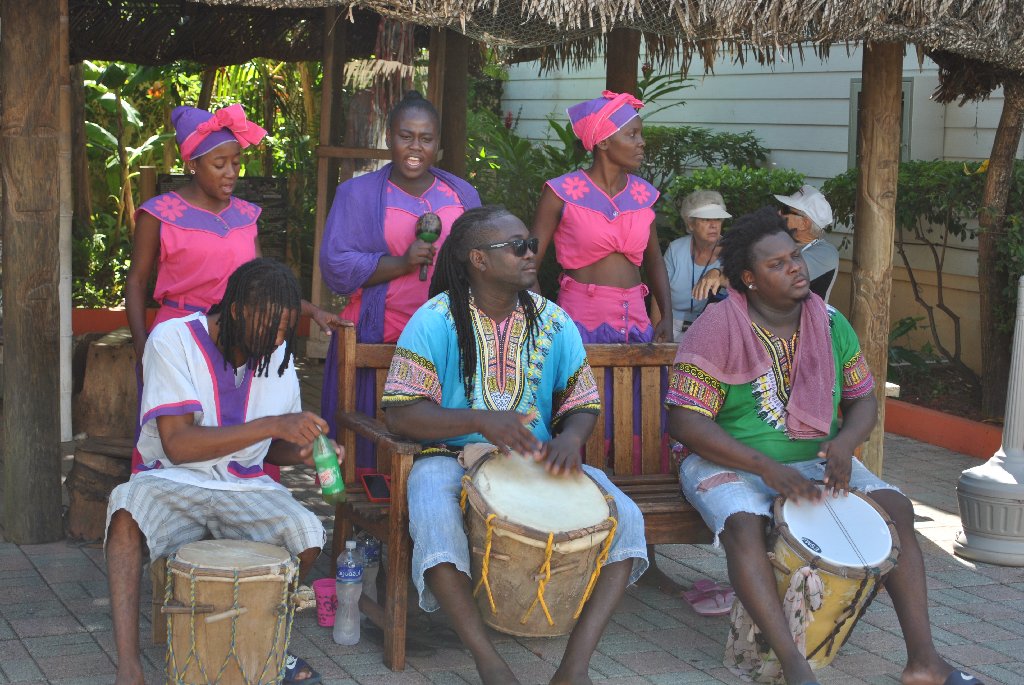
(198, 131)
(597, 119)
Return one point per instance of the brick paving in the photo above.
(55, 624)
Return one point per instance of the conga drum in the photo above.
(829, 559)
(537, 543)
(229, 612)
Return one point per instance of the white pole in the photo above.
(64, 242)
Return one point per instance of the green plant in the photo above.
(652, 87)
(905, 363)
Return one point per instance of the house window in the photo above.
(905, 118)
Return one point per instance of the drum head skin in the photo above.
(229, 555)
(843, 531)
(520, 490)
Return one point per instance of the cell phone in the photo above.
(377, 486)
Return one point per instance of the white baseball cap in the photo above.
(811, 202)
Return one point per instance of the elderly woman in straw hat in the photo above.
(807, 213)
(691, 258)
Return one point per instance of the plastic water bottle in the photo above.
(349, 585)
(370, 547)
(328, 473)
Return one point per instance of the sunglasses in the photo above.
(519, 246)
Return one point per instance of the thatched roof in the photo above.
(991, 31)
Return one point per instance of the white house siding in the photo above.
(801, 111)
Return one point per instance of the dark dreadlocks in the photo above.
(737, 244)
(257, 295)
(471, 230)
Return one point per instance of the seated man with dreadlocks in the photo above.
(220, 397)
(486, 360)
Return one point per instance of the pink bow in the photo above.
(231, 118)
(623, 98)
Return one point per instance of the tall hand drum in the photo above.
(229, 612)
(537, 543)
(829, 559)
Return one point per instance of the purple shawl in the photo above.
(722, 343)
(354, 242)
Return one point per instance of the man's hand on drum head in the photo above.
(562, 454)
(838, 467)
(791, 483)
(509, 431)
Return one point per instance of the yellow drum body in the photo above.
(229, 612)
(537, 542)
(850, 544)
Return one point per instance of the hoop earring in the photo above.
(192, 171)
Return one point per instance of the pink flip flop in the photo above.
(708, 598)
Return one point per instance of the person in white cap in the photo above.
(693, 259)
(807, 213)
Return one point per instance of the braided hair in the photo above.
(737, 245)
(258, 294)
(451, 275)
(410, 101)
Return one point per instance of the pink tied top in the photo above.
(597, 119)
(217, 128)
(594, 225)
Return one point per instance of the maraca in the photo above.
(428, 229)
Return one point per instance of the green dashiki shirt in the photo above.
(549, 375)
(755, 413)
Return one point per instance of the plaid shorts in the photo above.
(171, 514)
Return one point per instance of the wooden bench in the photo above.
(668, 518)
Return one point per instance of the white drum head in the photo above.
(232, 555)
(843, 531)
(520, 490)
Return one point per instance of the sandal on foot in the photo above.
(961, 678)
(708, 598)
(293, 666)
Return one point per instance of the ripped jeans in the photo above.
(718, 492)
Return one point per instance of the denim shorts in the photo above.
(439, 536)
(718, 492)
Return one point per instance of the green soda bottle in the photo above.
(328, 473)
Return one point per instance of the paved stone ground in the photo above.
(55, 624)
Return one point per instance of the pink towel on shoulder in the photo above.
(722, 342)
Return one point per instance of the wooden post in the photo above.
(622, 60)
(435, 70)
(456, 92)
(31, 52)
(326, 167)
(878, 141)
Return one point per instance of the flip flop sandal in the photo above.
(293, 666)
(961, 678)
(709, 598)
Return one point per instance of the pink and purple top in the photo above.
(199, 131)
(594, 225)
(199, 250)
(597, 119)
(406, 293)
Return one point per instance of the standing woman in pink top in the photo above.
(197, 236)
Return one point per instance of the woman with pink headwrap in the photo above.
(197, 236)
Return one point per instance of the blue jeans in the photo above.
(439, 536)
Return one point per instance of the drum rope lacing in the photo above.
(287, 614)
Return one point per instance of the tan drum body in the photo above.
(848, 590)
(526, 507)
(229, 612)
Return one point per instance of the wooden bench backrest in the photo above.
(649, 360)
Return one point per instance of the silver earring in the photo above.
(750, 286)
(192, 171)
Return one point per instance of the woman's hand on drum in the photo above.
(509, 432)
(791, 483)
(562, 454)
(838, 466)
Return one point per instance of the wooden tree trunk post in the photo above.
(33, 51)
(622, 61)
(993, 279)
(456, 94)
(878, 141)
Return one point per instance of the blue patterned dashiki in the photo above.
(549, 375)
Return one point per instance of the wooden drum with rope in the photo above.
(229, 610)
(537, 543)
(829, 559)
